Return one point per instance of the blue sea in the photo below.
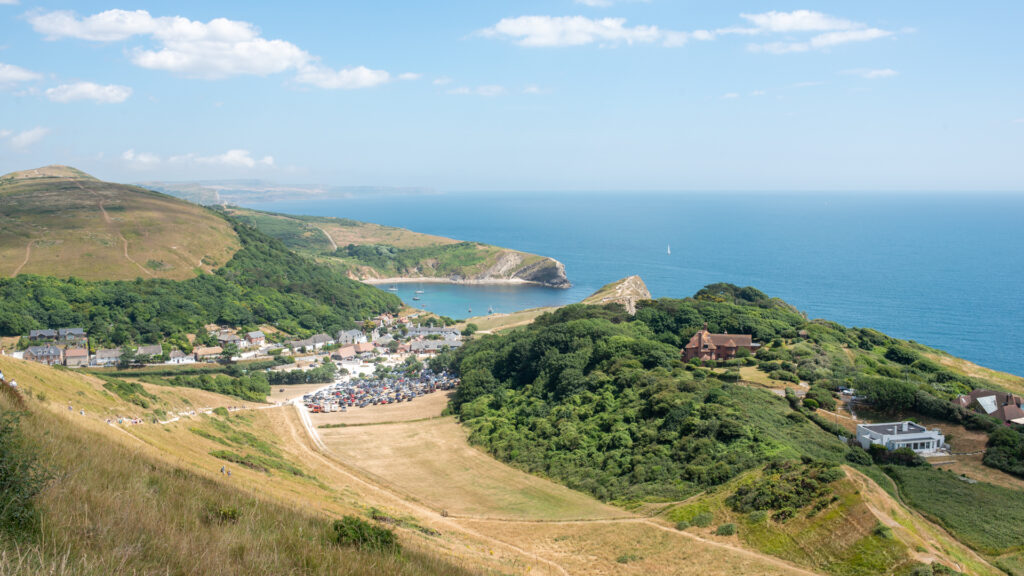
(944, 270)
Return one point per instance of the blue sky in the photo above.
(521, 95)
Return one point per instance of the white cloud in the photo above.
(110, 94)
(532, 89)
(11, 74)
(29, 137)
(442, 80)
(551, 31)
(140, 159)
(758, 93)
(1018, 121)
(547, 31)
(486, 90)
(410, 76)
(595, 3)
(730, 96)
(5, 133)
(8, 2)
(872, 74)
(232, 159)
(216, 49)
(344, 79)
(831, 31)
(798, 21)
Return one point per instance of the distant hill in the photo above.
(60, 221)
(375, 253)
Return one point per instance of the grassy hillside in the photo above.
(372, 252)
(116, 501)
(263, 283)
(59, 221)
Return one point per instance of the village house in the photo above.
(207, 353)
(255, 339)
(225, 338)
(321, 340)
(72, 335)
(179, 357)
(364, 348)
(351, 337)
(707, 346)
(76, 357)
(48, 354)
(1001, 405)
(423, 331)
(344, 353)
(433, 346)
(106, 357)
(896, 435)
(150, 350)
(45, 335)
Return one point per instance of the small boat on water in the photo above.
(490, 309)
(415, 297)
(419, 291)
(470, 310)
(669, 250)
(393, 288)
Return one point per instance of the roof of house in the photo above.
(894, 428)
(345, 352)
(150, 350)
(176, 354)
(254, 335)
(108, 353)
(713, 341)
(76, 353)
(208, 350)
(362, 347)
(320, 338)
(44, 333)
(228, 338)
(64, 332)
(47, 350)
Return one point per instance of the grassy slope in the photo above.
(121, 505)
(58, 221)
(840, 539)
(314, 235)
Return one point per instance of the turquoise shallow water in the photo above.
(946, 270)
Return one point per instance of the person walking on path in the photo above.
(221, 469)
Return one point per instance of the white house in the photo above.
(179, 357)
(895, 435)
(351, 337)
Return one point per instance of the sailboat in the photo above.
(490, 309)
(669, 250)
(393, 288)
(420, 290)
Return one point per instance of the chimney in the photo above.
(705, 326)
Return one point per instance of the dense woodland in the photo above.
(264, 283)
(601, 400)
(446, 260)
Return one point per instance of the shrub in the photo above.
(859, 456)
(703, 520)
(221, 411)
(682, 525)
(21, 478)
(810, 403)
(354, 531)
(726, 530)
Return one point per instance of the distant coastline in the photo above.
(462, 281)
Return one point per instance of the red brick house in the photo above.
(707, 346)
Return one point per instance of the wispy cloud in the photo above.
(486, 90)
(409, 76)
(232, 159)
(109, 94)
(441, 81)
(28, 137)
(11, 74)
(1018, 121)
(140, 159)
(872, 74)
(8, 2)
(556, 31)
(730, 96)
(532, 89)
(216, 49)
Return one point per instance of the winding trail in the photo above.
(334, 245)
(110, 223)
(28, 254)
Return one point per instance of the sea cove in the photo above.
(944, 270)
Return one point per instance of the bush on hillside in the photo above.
(22, 478)
(356, 532)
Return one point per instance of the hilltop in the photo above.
(381, 254)
(60, 221)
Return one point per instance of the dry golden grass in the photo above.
(291, 392)
(1011, 382)
(432, 462)
(93, 230)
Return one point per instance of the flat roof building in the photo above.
(896, 435)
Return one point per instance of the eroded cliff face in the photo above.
(547, 272)
(627, 292)
(508, 266)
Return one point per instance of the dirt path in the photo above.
(334, 245)
(28, 254)
(322, 454)
(110, 223)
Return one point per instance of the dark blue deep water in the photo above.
(945, 270)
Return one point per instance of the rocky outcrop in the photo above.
(547, 272)
(627, 292)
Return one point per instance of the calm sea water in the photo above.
(945, 270)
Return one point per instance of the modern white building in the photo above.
(895, 435)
